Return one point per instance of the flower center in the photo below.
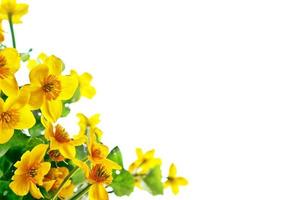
(51, 87)
(9, 118)
(96, 153)
(32, 172)
(61, 135)
(100, 174)
(4, 71)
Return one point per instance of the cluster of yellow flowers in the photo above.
(38, 158)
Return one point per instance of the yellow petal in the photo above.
(139, 153)
(94, 120)
(5, 134)
(36, 98)
(48, 184)
(67, 150)
(98, 192)
(18, 100)
(83, 166)
(111, 164)
(20, 185)
(37, 153)
(27, 120)
(42, 171)
(52, 110)
(38, 74)
(20, 10)
(181, 181)
(67, 190)
(9, 85)
(55, 64)
(1, 105)
(35, 191)
(68, 85)
(175, 188)
(172, 171)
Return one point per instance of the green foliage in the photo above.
(116, 156)
(18, 140)
(6, 192)
(123, 183)
(66, 110)
(153, 181)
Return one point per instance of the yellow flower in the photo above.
(99, 176)
(9, 65)
(54, 62)
(89, 124)
(13, 9)
(56, 156)
(144, 162)
(67, 190)
(30, 172)
(55, 177)
(173, 181)
(85, 88)
(61, 141)
(49, 88)
(14, 114)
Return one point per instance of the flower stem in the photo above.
(81, 193)
(11, 26)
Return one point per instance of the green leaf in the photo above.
(36, 130)
(153, 181)
(66, 110)
(123, 183)
(5, 166)
(78, 177)
(6, 193)
(81, 152)
(18, 139)
(116, 156)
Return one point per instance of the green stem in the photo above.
(81, 193)
(11, 26)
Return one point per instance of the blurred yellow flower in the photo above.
(55, 177)
(14, 114)
(1, 32)
(56, 156)
(61, 141)
(9, 65)
(173, 181)
(144, 162)
(99, 176)
(53, 62)
(10, 8)
(89, 124)
(67, 190)
(30, 172)
(49, 88)
(85, 87)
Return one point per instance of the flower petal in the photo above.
(27, 120)
(67, 150)
(97, 192)
(35, 191)
(181, 181)
(20, 185)
(52, 110)
(69, 85)
(5, 134)
(38, 74)
(9, 85)
(172, 171)
(37, 154)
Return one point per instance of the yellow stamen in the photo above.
(51, 87)
(61, 135)
(9, 118)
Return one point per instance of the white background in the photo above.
(211, 85)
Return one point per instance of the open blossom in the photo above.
(61, 141)
(174, 181)
(99, 176)
(85, 87)
(14, 114)
(49, 88)
(89, 124)
(10, 8)
(30, 172)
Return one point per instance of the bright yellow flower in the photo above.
(89, 124)
(55, 177)
(67, 190)
(97, 153)
(49, 88)
(85, 88)
(30, 172)
(54, 62)
(56, 156)
(144, 162)
(9, 65)
(13, 9)
(174, 181)
(99, 176)
(14, 114)
(61, 141)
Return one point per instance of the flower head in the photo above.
(10, 8)
(89, 124)
(144, 162)
(49, 88)
(98, 176)
(61, 141)
(55, 177)
(174, 181)
(30, 172)
(14, 114)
